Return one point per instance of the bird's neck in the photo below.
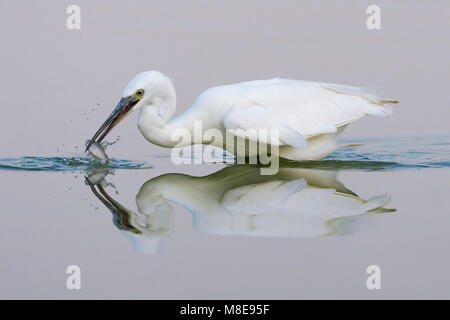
(155, 122)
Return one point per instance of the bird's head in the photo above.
(146, 88)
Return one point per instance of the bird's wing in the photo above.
(257, 124)
(298, 109)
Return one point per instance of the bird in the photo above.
(238, 201)
(307, 115)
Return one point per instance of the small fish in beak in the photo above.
(122, 109)
(97, 151)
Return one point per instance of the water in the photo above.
(144, 239)
(385, 154)
(398, 152)
(152, 229)
(70, 164)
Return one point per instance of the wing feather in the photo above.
(248, 122)
(298, 109)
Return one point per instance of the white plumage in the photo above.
(307, 115)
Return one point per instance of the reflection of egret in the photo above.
(307, 115)
(239, 201)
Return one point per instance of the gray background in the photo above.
(52, 78)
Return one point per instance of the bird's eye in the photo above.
(140, 93)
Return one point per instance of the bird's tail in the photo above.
(373, 104)
(383, 101)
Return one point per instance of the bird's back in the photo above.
(311, 108)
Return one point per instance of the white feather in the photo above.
(299, 110)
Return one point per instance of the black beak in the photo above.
(120, 112)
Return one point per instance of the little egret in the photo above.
(308, 116)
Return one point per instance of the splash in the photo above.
(106, 144)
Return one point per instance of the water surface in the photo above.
(151, 229)
(355, 154)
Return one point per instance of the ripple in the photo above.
(386, 154)
(395, 153)
(67, 164)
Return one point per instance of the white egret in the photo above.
(308, 115)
